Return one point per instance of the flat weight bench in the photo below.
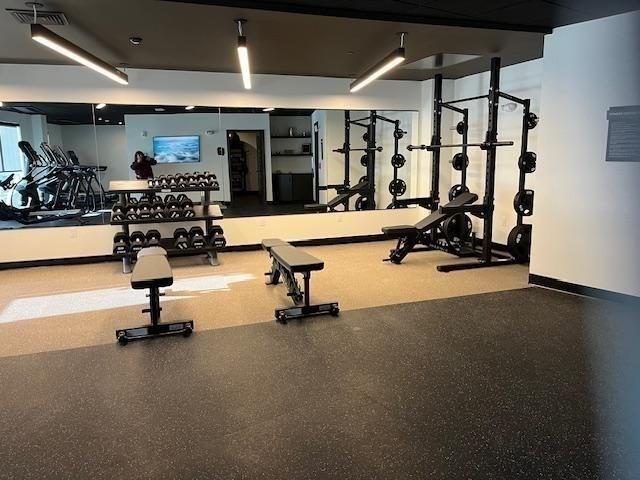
(286, 261)
(152, 271)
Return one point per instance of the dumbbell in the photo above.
(174, 210)
(137, 241)
(119, 207)
(169, 198)
(196, 237)
(173, 182)
(120, 243)
(216, 236)
(153, 238)
(164, 183)
(132, 211)
(186, 205)
(181, 239)
(144, 210)
(192, 180)
(158, 210)
(132, 201)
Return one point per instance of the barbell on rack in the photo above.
(481, 145)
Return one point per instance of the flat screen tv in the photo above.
(182, 149)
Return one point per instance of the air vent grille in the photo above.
(43, 17)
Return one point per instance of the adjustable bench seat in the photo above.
(152, 270)
(397, 231)
(286, 262)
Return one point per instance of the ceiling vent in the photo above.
(43, 17)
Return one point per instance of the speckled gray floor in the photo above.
(520, 384)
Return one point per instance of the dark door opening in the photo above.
(316, 163)
(247, 174)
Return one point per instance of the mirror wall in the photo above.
(266, 162)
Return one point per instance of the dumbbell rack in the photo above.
(204, 212)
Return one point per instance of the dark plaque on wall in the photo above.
(623, 139)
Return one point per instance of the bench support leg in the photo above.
(303, 307)
(155, 328)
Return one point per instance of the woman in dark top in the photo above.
(142, 165)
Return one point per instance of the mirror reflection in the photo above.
(49, 169)
(58, 160)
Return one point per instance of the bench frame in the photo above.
(301, 298)
(155, 328)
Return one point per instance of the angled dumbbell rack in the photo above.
(204, 212)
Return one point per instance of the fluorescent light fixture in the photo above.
(268, 109)
(159, 109)
(100, 106)
(1, 104)
(392, 60)
(55, 42)
(243, 56)
(190, 107)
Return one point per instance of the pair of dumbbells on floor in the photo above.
(185, 180)
(136, 241)
(196, 238)
(154, 207)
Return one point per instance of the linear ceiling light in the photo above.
(268, 109)
(243, 56)
(100, 106)
(190, 107)
(392, 60)
(55, 42)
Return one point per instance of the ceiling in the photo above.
(81, 113)
(180, 35)
(527, 15)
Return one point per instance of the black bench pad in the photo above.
(399, 230)
(151, 271)
(295, 260)
(269, 243)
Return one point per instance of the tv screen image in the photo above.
(182, 149)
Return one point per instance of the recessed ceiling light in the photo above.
(135, 41)
(190, 107)
(107, 120)
(268, 109)
(119, 123)
(159, 109)
(99, 118)
(100, 106)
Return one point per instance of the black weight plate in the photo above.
(532, 120)
(362, 179)
(364, 160)
(398, 160)
(397, 187)
(457, 190)
(460, 127)
(519, 242)
(457, 229)
(527, 162)
(523, 203)
(460, 161)
(398, 133)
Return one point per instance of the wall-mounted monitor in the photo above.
(179, 149)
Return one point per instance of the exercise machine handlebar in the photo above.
(481, 145)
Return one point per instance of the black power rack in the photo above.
(206, 212)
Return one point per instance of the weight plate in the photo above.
(365, 136)
(397, 187)
(457, 229)
(457, 190)
(362, 203)
(519, 242)
(460, 127)
(364, 160)
(460, 161)
(362, 179)
(398, 133)
(523, 203)
(527, 162)
(398, 160)
(532, 120)
(393, 206)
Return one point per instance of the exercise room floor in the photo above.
(55, 308)
(522, 384)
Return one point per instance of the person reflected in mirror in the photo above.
(142, 165)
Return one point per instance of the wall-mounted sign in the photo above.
(623, 139)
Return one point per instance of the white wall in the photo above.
(587, 228)
(77, 84)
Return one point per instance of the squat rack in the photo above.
(487, 257)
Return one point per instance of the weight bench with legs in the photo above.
(152, 271)
(286, 261)
(410, 235)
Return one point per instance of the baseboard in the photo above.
(582, 290)
(232, 248)
(57, 261)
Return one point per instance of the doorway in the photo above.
(247, 173)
